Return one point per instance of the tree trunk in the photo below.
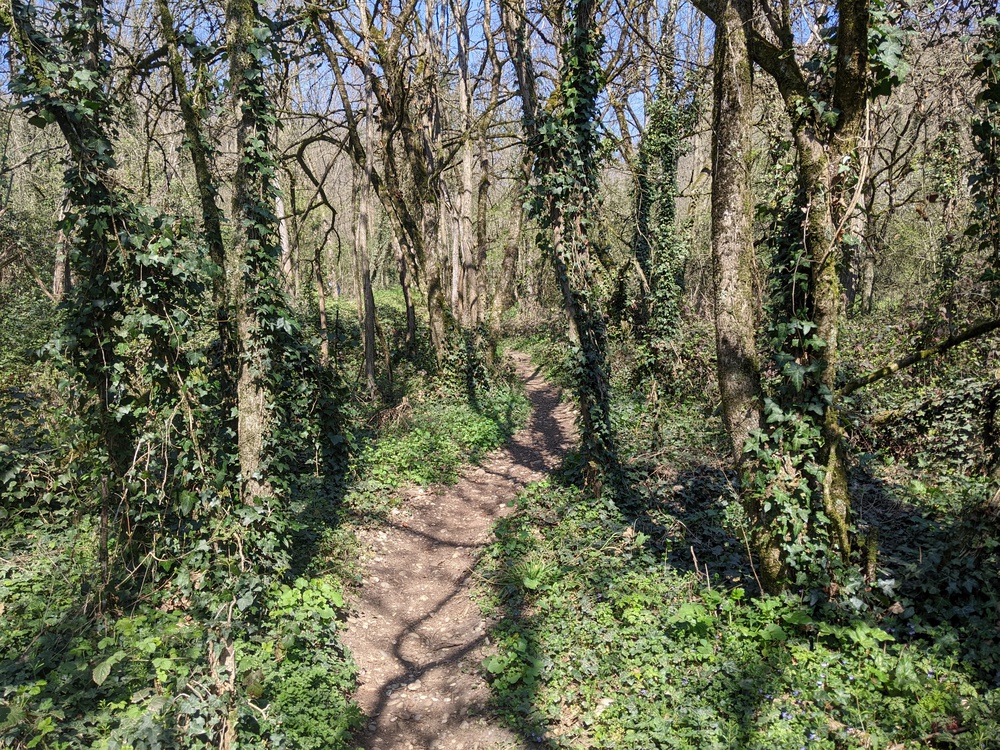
(467, 252)
(366, 299)
(733, 260)
(454, 261)
(62, 281)
(253, 254)
(566, 171)
(102, 261)
(477, 299)
(324, 341)
(287, 258)
(411, 313)
(854, 252)
(867, 280)
(428, 184)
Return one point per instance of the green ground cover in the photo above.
(641, 625)
(165, 665)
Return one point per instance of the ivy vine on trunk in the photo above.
(565, 200)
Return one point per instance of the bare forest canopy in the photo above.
(259, 260)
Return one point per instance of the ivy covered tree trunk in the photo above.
(56, 77)
(800, 463)
(562, 142)
(823, 237)
(656, 247)
(206, 182)
(566, 171)
(131, 280)
(829, 158)
(252, 267)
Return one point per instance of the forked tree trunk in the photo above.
(824, 148)
(408, 186)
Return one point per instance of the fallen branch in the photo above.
(979, 329)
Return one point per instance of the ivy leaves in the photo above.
(887, 67)
(887, 42)
(983, 183)
(565, 170)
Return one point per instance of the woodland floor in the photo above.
(417, 636)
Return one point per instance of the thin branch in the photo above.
(980, 329)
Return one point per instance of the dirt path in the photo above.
(416, 635)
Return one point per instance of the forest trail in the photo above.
(416, 635)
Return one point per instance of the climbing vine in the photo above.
(984, 183)
(565, 198)
(129, 346)
(149, 445)
(783, 475)
(656, 245)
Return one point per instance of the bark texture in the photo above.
(734, 266)
(242, 272)
(733, 261)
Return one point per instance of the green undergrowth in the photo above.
(615, 632)
(939, 415)
(164, 671)
(642, 625)
(431, 442)
(430, 435)
(200, 651)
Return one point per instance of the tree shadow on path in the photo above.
(417, 636)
